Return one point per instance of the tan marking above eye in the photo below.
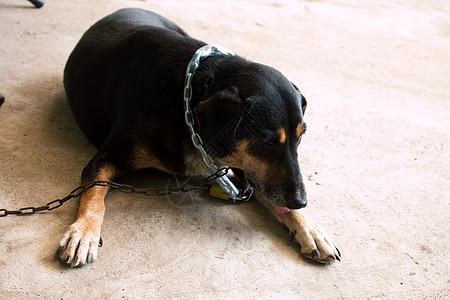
(299, 130)
(282, 134)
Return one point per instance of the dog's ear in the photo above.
(218, 117)
(304, 103)
(218, 111)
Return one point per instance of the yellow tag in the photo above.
(217, 192)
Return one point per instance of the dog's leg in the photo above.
(79, 245)
(314, 241)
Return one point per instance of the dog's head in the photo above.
(253, 120)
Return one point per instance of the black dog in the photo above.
(125, 80)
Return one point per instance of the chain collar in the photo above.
(225, 183)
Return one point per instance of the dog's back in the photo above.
(127, 40)
(125, 21)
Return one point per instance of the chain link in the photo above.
(121, 187)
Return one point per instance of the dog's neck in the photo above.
(203, 80)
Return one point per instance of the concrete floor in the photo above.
(375, 158)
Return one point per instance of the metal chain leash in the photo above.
(225, 183)
(200, 54)
(121, 187)
(218, 175)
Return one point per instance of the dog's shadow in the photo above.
(61, 125)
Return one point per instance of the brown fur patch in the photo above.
(282, 134)
(241, 159)
(236, 159)
(299, 130)
(193, 163)
(143, 159)
(92, 206)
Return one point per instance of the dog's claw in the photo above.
(339, 252)
(316, 253)
(337, 258)
(59, 251)
(89, 259)
(100, 243)
(67, 260)
(77, 264)
(292, 235)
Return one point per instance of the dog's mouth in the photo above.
(281, 210)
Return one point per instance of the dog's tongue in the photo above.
(282, 210)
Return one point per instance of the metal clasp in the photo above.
(246, 194)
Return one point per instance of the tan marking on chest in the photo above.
(193, 163)
(143, 159)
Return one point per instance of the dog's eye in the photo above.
(269, 141)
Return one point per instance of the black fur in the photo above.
(124, 81)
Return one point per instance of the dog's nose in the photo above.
(295, 194)
(297, 204)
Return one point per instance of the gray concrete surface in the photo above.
(375, 158)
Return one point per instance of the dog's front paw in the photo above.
(315, 243)
(79, 246)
